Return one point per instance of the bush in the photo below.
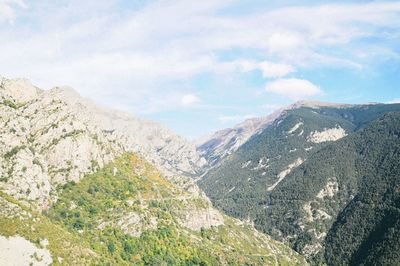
(79, 224)
(13, 152)
(111, 247)
(10, 104)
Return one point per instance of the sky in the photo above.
(200, 66)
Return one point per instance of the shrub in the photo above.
(10, 104)
(111, 247)
(13, 152)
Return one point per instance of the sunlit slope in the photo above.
(128, 213)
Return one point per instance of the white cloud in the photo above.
(268, 69)
(284, 42)
(190, 99)
(273, 70)
(7, 9)
(293, 88)
(96, 48)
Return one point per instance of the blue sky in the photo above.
(199, 66)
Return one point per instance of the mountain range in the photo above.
(83, 185)
(312, 183)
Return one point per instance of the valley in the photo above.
(77, 188)
(313, 183)
(199, 133)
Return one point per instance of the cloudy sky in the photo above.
(198, 66)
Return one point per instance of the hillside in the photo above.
(127, 212)
(259, 181)
(48, 138)
(366, 231)
(349, 191)
(222, 143)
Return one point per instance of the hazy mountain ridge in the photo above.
(222, 143)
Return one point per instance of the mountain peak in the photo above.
(67, 94)
(19, 90)
(317, 104)
(66, 90)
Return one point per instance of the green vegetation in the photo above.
(8, 155)
(36, 227)
(10, 104)
(273, 146)
(127, 213)
(367, 230)
(102, 196)
(363, 165)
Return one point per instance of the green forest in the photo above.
(360, 221)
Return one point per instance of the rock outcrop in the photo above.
(17, 250)
(220, 144)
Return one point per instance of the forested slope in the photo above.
(300, 187)
(367, 230)
(348, 190)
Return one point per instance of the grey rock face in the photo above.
(224, 142)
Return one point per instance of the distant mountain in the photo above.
(224, 142)
(220, 144)
(285, 180)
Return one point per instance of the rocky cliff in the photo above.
(49, 137)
